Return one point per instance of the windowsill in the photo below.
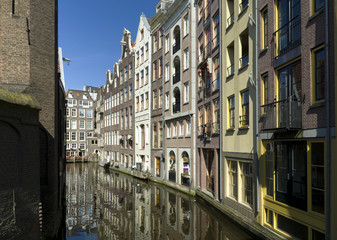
(230, 129)
(186, 35)
(229, 27)
(263, 50)
(244, 128)
(316, 14)
(14, 15)
(317, 105)
(188, 136)
(167, 53)
(166, 110)
(230, 76)
(180, 137)
(186, 69)
(186, 103)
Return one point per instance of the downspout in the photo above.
(220, 180)
(257, 116)
(327, 100)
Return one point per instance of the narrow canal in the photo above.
(109, 205)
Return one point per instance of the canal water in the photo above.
(109, 205)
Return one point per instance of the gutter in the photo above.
(328, 147)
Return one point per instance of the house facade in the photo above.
(296, 116)
(142, 96)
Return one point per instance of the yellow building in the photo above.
(238, 93)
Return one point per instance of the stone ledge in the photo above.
(19, 99)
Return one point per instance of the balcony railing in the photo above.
(288, 36)
(216, 41)
(284, 114)
(230, 20)
(216, 128)
(243, 5)
(230, 70)
(244, 120)
(176, 47)
(176, 107)
(244, 60)
(207, 50)
(176, 77)
(207, 13)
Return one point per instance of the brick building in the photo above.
(29, 65)
(80, 119)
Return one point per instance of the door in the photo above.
(291, 173)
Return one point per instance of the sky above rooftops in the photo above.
(90, 33)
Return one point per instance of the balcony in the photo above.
(230, 70)
(207, 13)
(215, 41)
(284, 114)
(176, 107)
(215, 128)
(288, 36)
(230, 20)
(244, 61)
(176, 78)
(176, 47)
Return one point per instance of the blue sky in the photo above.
(90, 33)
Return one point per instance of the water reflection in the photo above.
(103, 205)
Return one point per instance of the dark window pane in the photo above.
(317, 235)
(293, 228)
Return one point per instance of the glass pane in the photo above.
(316, 235)
(293, 228)
(299, 171)
(282, 168)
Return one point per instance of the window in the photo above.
(142, 102)
(146, 51)
(141, 55)
(231, 112)
(68, 124)
(89, 125)
(188, 127)
(122, 76)
(155, 135)
(141, 79)
(216, 117)
(167, 100)
(160, 67)
(167, 72)
(186, 59)
(160, 99)
(73, 124)
(67, 112)
(244, 60)
(137, 58)
(130, 122)
(167, 44)
(137, 103)
(126, 94)
(130, 68)
(137, 80)
(265, 90)
(82, 124)
(216, 74)
(73, 136)
(141, 34)
(82, 136)
(186, 92)
(146, 100)
(130, 92)
(319, 75)
(216, 32)
(146, 75)
(264, 15)
(155, 42)
(181, 128)
(230, 60)
(317, 5)
(247, 183)
(67, 136)
(168, 127)
(73, 112)
(186, 26)
(160, 134)
(73, 145)
(89, 113)
(317, 177)
(244, 118)
(154, 99)
(155, 71)
(233, 180)
(122, 94)
(126, 73)
(269, 162)
(175, 129)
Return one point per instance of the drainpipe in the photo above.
(327, 100)
(220, 172)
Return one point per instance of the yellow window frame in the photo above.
(313, 74)
(263, 14)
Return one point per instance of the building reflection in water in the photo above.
(103, 205)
